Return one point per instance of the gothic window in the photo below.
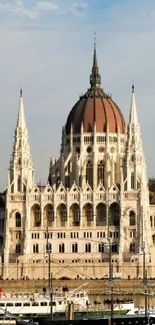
(101, 247)
(100, 172)
(19, 184)
(151, 221)
(114, 248)
(63, 213)
(49, 248)
(49, 214)
(132, 218)
(74, 248)
(89, 173)
(18, 219)
(18, 248)
(114, 214)
(89, 213)
(88, 248)
(37, 217)
(132, 248)
(76, 214)
(101, 214)
(19, 161)
(132, 181)
(35, 248)
(61, 248)
(153, 238)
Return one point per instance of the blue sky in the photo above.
(47, 46)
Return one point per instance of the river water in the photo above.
(139, 300)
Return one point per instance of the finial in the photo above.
(133, 88)
(95, 78)
(94, 40)
(21, 92)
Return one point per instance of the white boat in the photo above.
(141, 311)
(36, 304)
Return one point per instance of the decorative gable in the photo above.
(74, 192)
(61, 193)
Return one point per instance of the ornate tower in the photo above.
(20, 182)
(136, 186)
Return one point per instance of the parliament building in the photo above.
(97, 198)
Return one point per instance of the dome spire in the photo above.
(95, 78)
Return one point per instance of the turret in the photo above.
(21, 173)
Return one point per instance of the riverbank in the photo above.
(92, 286)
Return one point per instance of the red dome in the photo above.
(99, 107)
(95, 106)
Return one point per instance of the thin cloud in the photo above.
(17, 8)
(46, 6)
(76, 8)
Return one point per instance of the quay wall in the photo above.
(92, 286)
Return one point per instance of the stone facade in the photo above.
(97, 194)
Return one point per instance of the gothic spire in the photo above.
(21, 116)
(95, 78)
(133, 111)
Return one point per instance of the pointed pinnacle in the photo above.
(95, 78)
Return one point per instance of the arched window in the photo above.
(114, 214)
(132, 218)
(48, 248)
(49, 214)
(18, 219)
(37, 217)
(89, 212)
(18, 248)
(63, 213)
(19, 184)
(101, 214)
(153, 239)
(132, 248)
(132, 181)
(88, 248)
(74, 248)
(35, 248)
(61, 248)
(151, 221)
(101, 247)
(76, 214)
(100, 172)
(89, 173)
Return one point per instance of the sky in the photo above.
(46, 47)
